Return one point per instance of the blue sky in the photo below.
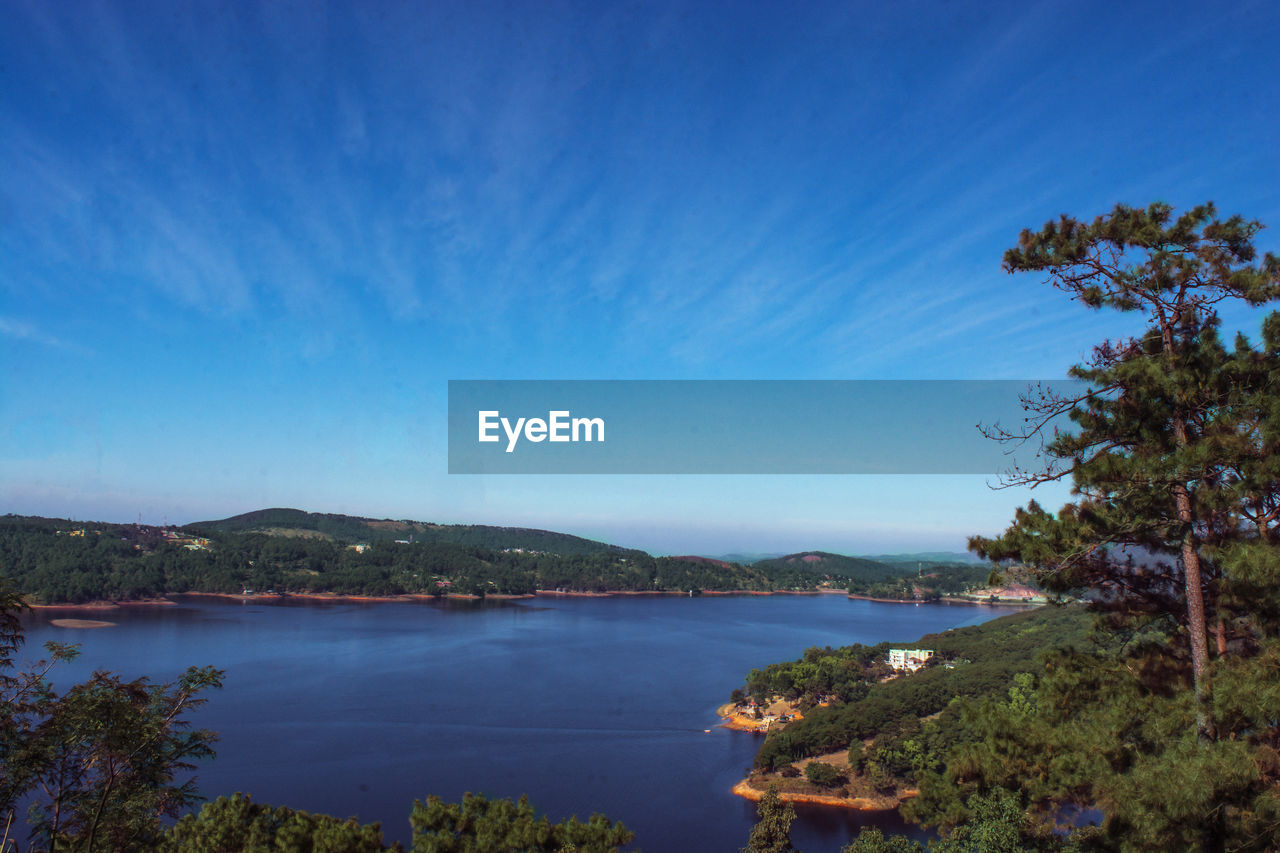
(243, 248)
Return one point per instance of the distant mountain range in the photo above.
(355, 529)
(748, 558)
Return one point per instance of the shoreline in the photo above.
(266, 598)
(736, 723)
(754, 786)
(961, 601)
(345, 598)
(748, 791)
(679, 593)
(353, 598)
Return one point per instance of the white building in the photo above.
(909, 659)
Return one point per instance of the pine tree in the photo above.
(772, 832)
(1167, 422)
(1172, 534)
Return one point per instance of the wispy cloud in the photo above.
(29, 333)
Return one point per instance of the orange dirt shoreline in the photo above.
(745, 790)
(755, 786)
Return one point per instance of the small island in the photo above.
(81, 623)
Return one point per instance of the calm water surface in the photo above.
(584, 704)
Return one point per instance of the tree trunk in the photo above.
(1197, 626)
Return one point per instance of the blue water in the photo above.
(584, 704)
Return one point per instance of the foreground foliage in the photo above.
(478, 824)
(98, 765)
(236, 824)
(772, 832)
(996, 824)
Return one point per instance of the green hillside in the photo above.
(835, 565)
(350, 529)
(974, 662)
(61, 561)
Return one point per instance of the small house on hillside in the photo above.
(909, 659)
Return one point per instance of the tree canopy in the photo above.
(772, 832)
(478, 824)
(1174, 447)
(1174, 460)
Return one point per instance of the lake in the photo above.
(585, 704)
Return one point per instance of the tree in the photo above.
(106, 755)
(873, 840)
(772, 832)
(478, 824)
(821, 774)
(1172, 536)
(1167, 421)
(997, 825)
(98, 764)
(236, 824)
(857, 755)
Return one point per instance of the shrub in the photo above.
(823, 775)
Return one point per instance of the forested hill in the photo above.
(57, 561)
(835, 565)
(349, 529)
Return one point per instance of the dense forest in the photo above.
(59, 561)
